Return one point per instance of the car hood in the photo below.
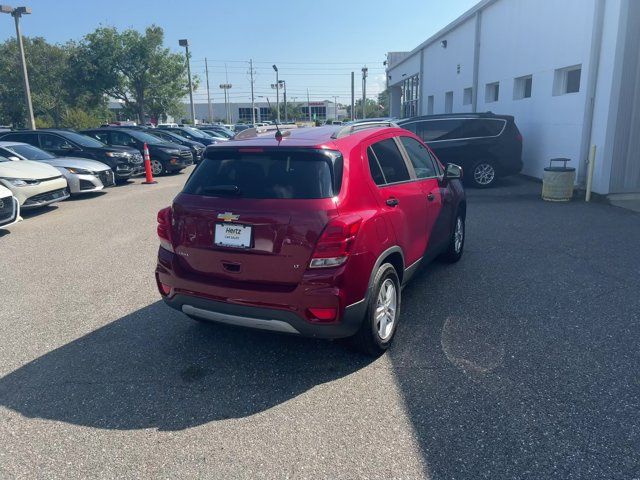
(112, 148)
(74, 162)
(27, 169)
(170, 146)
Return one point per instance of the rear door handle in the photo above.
(430, 196)
(392, 202)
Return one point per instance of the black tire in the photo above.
(455, 249)
(482, 174)
(367, 339)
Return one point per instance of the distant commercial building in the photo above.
(241, 112)
(568, 71)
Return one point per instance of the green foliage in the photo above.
(134, 68)
(373, 108)
(80, 119)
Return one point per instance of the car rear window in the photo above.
(267, 174)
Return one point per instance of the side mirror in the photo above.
(452, 171)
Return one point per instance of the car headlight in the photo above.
(19, 182)
(118, 154)
(79, 171)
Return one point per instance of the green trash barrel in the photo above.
(558, 181)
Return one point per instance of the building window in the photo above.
(448, 102)
(266, 114)
(430, 105)
(244, 114)
(410, 96)
(522, 87)
(467, 96)
(492, 92)
(567, 80)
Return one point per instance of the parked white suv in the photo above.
(9, 208)
(34, 184)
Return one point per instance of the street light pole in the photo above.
(277, 94)
(286, 116)
(185, 43)
(16, 13)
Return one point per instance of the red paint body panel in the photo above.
(274, 272)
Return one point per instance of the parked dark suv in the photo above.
(197, 148)
(487, 146)
(124, 161)
(191, 134)
(165, 156)
(312, 232)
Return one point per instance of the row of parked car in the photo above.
(41, 167)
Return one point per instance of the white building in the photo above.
(568, 70)
(241, 112)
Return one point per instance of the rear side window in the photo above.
(53, 142)
(419, 156)
(20, 137)
(390, 159)
(435, 130)
(482, 128)
(102, 136)
(267, 174)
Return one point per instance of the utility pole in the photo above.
(185, 43)
(253, 104)
(16, 13)
(308, 104)
(206, 68)
(226, 87)
(353, 97)
(277, 94)
(286, 116)
(364, 91)
(335, 107)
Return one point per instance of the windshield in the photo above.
(145, 137)
(276, 174)
(30, 152)
(82, 140)
(196, 133)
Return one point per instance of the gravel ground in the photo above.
(520, 361)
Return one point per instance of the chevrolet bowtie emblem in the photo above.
(227, 216)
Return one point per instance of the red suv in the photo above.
(311, 233)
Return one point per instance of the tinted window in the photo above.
(279, 174)
(30, 152)
(481, 128)
(102, 136)
(123, 139)
(83, 140)
(433, 130)
(20, 137)
(145, 137)
(419, 156)
(374, 168)
(52, 142)
(388, 155)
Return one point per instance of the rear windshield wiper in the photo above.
(223, 189)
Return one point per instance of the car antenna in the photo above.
(275, 121)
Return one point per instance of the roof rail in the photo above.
(350, 129)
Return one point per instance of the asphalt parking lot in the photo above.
(520, 361)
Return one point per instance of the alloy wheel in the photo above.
(484, 174)
(386, 307)
(458, 235)
(156, 167)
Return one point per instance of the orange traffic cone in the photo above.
(147, 167)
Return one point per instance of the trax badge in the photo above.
(227, 216)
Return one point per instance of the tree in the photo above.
(134, 68)
(373, 109)
(54, 90)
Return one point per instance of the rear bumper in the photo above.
(270, 319)
(277, 308)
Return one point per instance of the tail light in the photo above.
(336, 242)
(164, 228)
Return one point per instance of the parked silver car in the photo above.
(82, 175)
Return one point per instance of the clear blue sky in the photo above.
(316, 44)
